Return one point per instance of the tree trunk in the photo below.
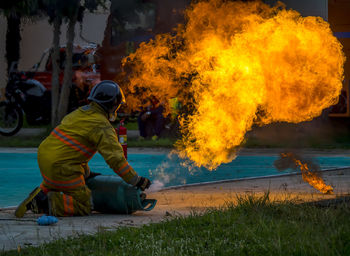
(68, 72)
(13, 38)
(55, 82)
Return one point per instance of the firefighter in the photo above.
(64, 155)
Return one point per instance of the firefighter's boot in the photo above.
(26, 204)
(40, 203)
(37, 201)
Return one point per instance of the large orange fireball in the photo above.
(236, 64)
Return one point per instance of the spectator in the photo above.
(151, 119)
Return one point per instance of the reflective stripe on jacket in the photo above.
(73, 143)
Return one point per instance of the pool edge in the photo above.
(244, 179)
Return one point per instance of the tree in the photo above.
(14, 11)
(59, 11)
(53, 11)
(70, 11)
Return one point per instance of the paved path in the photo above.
(180, 200)
(171, 202)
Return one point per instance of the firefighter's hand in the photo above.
(143, 183)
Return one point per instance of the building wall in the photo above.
(306, 7)
(339, 18)
(37, 37)
(3, 65)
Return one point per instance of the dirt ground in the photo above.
(181, 200)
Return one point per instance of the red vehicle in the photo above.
(86, 72)
(28, 94)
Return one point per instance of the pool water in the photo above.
(19, 172)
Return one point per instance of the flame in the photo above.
(233, 65)
(309, 176)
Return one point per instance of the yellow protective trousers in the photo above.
(67, 197)
(64, 184)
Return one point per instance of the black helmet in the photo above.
(108, 95)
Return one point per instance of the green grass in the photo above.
(279, 135)
(34, 141)
(161, 142)
(129, 125)
(21, 142)
(339, 142)
(24, 141)
(255, 226)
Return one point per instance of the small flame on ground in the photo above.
(233, 65)
(291, 160)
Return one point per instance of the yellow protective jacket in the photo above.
(66, 151)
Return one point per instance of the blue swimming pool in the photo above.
(19, 172)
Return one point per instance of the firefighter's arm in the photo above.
(107, 145)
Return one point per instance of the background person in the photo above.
(151, 120)
(63, 156)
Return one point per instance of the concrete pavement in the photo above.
(174, 201)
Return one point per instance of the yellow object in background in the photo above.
(174, 106)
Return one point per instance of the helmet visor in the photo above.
(113, 113)
(123, 101)
(117, 106)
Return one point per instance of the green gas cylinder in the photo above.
(111, 194)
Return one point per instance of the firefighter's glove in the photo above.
(143, 183)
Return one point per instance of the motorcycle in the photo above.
(24, 97)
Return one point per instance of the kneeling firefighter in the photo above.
(63, 156)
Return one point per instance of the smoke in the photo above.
(172, 171)
(287, 161)
(309, 170)
(156, 186)
(160, 174)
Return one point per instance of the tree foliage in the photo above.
(14, 11)
(20, 7)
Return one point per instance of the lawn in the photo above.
(34, 141)
(330, 134)
(255, 226)
(341, 141)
